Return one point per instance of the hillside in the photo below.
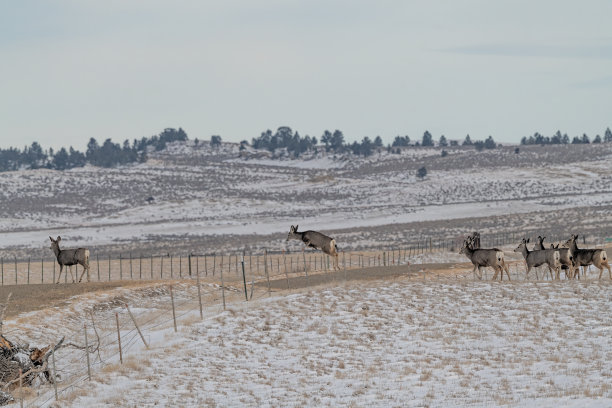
(213, 201)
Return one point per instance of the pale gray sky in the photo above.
(74, 69)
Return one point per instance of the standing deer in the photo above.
(565, 257)
(69, 257)
(586, 257)
(316, 240)
(536, 258)
(482, 258)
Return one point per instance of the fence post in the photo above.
(180, 266)
(151, 267)
(135, 324)
(140, 267)
(173, 310)
(119, 338)
(109, 268)
(97, 262)
(171, 269)
(246, 296)
(54, 370)
(131, 274)
(205, 266)
(222, 287)
(161, 267)
(120, 268)
(28, 270)
(42, 270)
(15, 270)
(87, 352)
(266, 269)
(199, 295)
(2, 263)
(189, 264)
(20, 388)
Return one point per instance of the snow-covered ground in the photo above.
(376, 343)
(203, 192)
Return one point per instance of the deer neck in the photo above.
(56, 250)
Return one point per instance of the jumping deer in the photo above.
(537, 258)
(586, 257)
(565, 256)
(314, 239)
(69, 257)
(482, 258)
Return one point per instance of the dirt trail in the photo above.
(27, 298)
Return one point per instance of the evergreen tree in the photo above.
(467, 141)
(608, 135)
(427, 139)
(443, 142)
(597, 139)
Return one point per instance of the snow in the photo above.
(377, 343)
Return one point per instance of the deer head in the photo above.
(293, 234)
(522, 246)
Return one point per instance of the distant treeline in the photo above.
(558, 138)
(108, 154)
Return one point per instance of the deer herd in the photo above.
(567, 257)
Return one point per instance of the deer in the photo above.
(585, 257)
(537, 258)
(69, 257)
(483, 257)
(565, 257)
(314, 239)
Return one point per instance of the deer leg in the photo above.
(85, 269)
(71, 275)
(495, 274)
(60, 273)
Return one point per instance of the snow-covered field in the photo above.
(381, 343)
(208, 196)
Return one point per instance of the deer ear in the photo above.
(527, 240)
(58, 238)
(51, 239)
(296, 228)
(543, 238)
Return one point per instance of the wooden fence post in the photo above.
(246, 297)
(222, 287)
(87, 352)
(266, 269)
(199, 295)
(131, 274)
(54, 370)
(136, 325)
(120, 267)
(119, 338)
(109, 268)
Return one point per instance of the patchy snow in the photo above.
(401, 343)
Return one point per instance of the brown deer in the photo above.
(69, 257)
(314, 239)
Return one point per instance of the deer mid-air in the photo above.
(314, 239)
(69, 257)
(586, 257)
(565, 256)
(482, 258)
(536, 258)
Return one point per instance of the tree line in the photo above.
(110, 154)
(107, 154)
(558, 138)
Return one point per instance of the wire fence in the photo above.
(129, 266)
(201, 286)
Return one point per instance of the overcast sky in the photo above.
(71, 70)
